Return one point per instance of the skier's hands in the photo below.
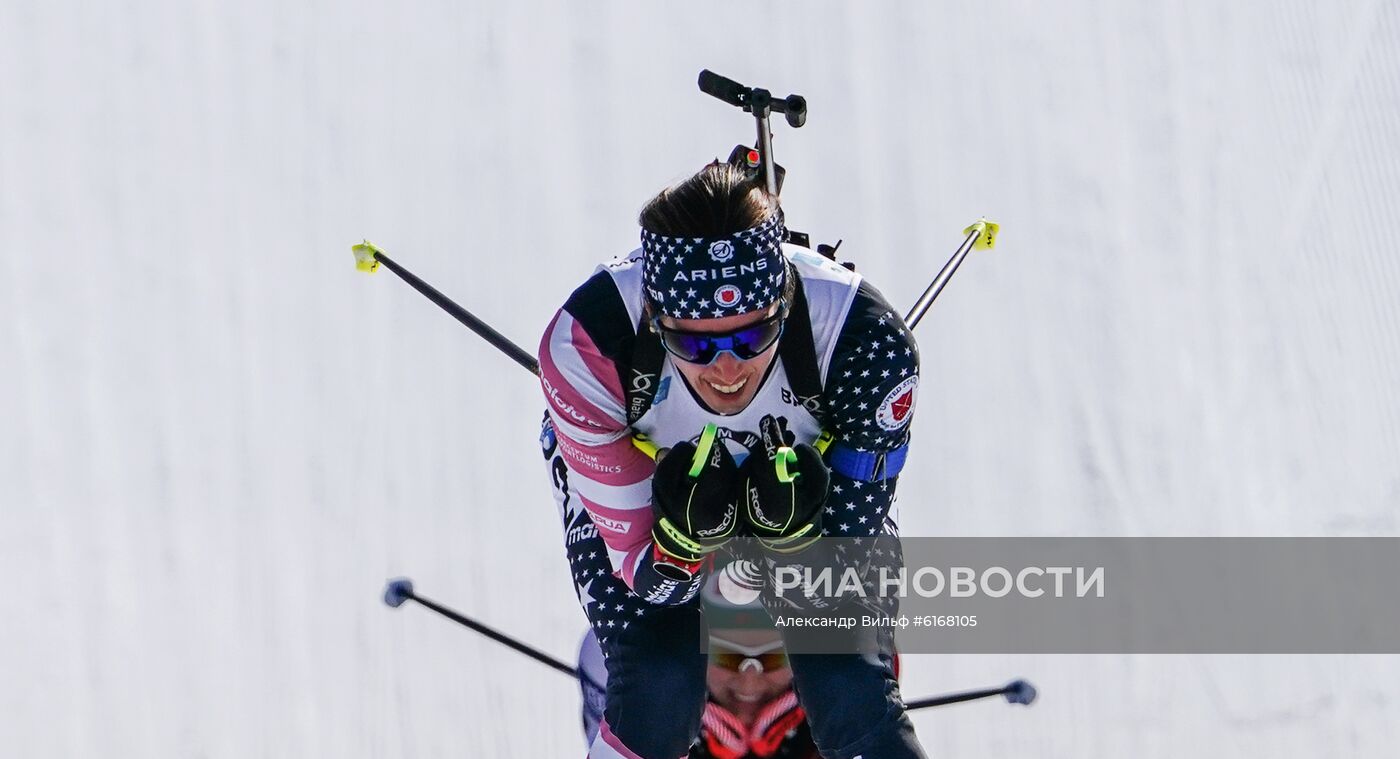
(771, 728)
(785, 488)
(727, 737)
(695, 495)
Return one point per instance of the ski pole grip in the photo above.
(723, 88)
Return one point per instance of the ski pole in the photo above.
(368, 258)
(397, 591)
(401, 589)
(1016, 692)
(981, 235)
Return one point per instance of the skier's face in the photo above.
(746, 690)
(728, 384)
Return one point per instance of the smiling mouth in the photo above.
(728, 389)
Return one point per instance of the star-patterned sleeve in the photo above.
(870, 390)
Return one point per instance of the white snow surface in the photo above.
(217, 439)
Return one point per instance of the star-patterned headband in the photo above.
(714, 277)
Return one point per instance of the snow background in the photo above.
(217, 439)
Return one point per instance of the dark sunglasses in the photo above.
(734, 661)
(704, 347)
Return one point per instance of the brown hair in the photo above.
(718, 200)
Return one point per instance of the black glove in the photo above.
(785, 489)
(695, 496)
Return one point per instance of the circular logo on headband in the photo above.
(728, 296)
(721, 250)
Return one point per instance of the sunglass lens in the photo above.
(750, 342)
(733, 660)
(726, 659)
(689, 346)
(702, 348)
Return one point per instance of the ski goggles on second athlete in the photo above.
(704, 347)
(735, 661)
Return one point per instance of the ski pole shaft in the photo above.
(952, 698)
(1016, 692)
(946, 273)
(368, 257)
(400, 590)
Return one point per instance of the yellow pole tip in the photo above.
(988, 232)
(364, 257)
